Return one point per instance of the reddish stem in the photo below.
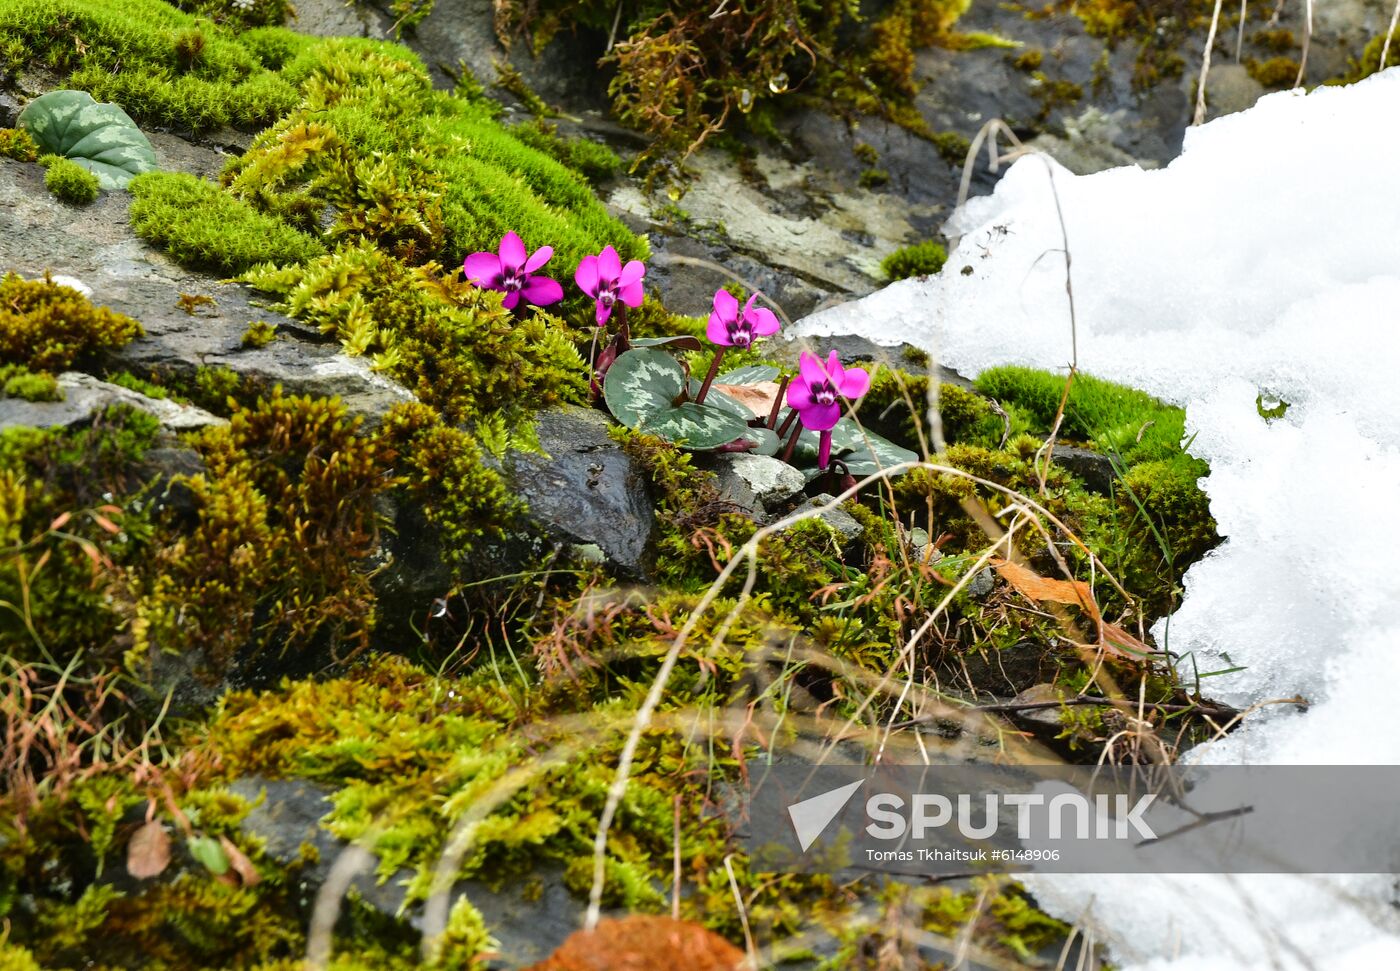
(787, 422)
(824, 450)
(624, 333)
(792, 442)
(778, 402)
(710, 377)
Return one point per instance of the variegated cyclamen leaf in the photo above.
(720, 400)
(766, 439)
(640, 384)
(677, 342)
(849, 444)
(753, 374)
(98, 136)
(696, 426)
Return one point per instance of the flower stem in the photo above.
(824, 450)
(624, 334)
(792, 442)
(710, 377)
(778, 402)
(787, 422)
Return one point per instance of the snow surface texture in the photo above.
(1264, 260)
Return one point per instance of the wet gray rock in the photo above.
(95, 244)
(1092, 468)
(980, 586)
(756, 482)
(83, 395)
(585, 490)
(529, 913)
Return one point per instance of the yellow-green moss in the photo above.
(47, 327)
(69, 181)
(1276, 72)
(18, 144)
(19, 382)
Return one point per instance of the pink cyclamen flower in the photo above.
(512, 272)
(817, 391)
(606, 280)
(729, 327)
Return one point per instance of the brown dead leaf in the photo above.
(61, 520)
(106, 523)
(148, 853)
(238, 861)
(758, 398)
(1033, 586)
(1118, 641)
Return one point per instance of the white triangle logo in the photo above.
(811, 816)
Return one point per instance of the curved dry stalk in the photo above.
(742, 281)
(1307, 43)
(1200, 116)
(352, 861)
(1389, 33)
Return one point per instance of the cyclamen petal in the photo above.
(586, 276)
(820, 418)
(609, 265)
(726, 306)
(483, 269)
(632, 294)
(717, 331)
(542, 291)
(511, 299)
(810, 368)
(601, 313)
(539, 258)
(632, 273)
(512, 252)
(799, 395)
(764, 321)
(854, 383)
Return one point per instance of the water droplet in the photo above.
(778, 83)
(745, 100)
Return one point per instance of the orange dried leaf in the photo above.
(1033, 586)
(60, 520)
(758, 398)
(106, 523)
(238, 861)
(1117, 641)
(148, 853)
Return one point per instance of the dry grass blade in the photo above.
(1389, 33)
(1200, 116)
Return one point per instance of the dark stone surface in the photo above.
(1092, 468)
(585, 489)
(95, 245)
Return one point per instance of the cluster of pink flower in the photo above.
(815, 393)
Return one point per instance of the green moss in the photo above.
(259, 334)
(1029, 60)
(162, 65)
(1370, 61)
(595, 161)
(920, 259)
(284, 523)
(952, 146)
(19, 382)
(1114, 418)
(18, 144)
(203, 227)
(1275, 73)
(450, 343)
(445, 469)
(48, 327)
(874, 178)
(69, 181)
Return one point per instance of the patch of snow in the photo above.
(1263, 261)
